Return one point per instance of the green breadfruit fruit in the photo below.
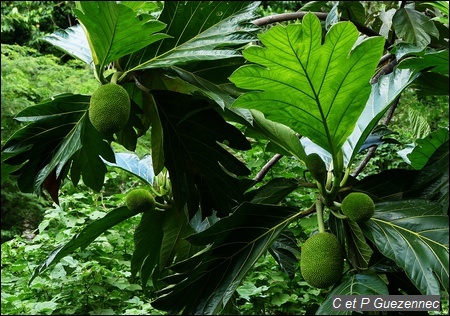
(358, 207)
(317, 167)
(140, 200)
(109, 108)
(322, 262)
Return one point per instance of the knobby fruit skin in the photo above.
(358, 207)
(322, 261)
(140, 200)
(316, 166)
(109, 108)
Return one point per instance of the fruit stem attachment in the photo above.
(319, 210)
(115, 76)
(163, 206)
(338, 215)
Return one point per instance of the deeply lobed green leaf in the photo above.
(319, 90)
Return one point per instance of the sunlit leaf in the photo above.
(199, 30)
(73, 41)
(317, 90)
(113, 30)
(142, 168)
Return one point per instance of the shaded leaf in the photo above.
(202, 171)
(272, 192)
(414, 27)
(84, 238)
(317, 90)
(286, 252)
(204, 283)
(147, 244)
(414, 234)
(435, 61)
(359, 284)
(59, 133)
(358, 251)
(377, 137)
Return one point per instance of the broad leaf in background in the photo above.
(201, 169)
(73, 41)
(358, 284)
(414, 27)
(204, 283)
(84, 238)
(414, 234)
(113, 30)
(383, 94)
(317, 90)
(142, 168)
(199, 30)
(59, 133)
(286, 252)
(418, 157)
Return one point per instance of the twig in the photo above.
(265, 169)
(371, 151)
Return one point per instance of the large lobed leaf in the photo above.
(317, 90)
(199, 30)
(204, 283)
(202, 170)
(59, 133)
(413, 233)
(113, 30)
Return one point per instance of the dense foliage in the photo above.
(225, 109)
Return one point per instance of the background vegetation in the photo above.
(95, 280)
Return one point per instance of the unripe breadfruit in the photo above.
(109, 108)
(140, 200)
(358, 207)
(316, 166)
(321, 262)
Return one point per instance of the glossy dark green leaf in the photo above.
(84, 238)
(204, 283)
(202, 171)
(272, 192)
(198, 30)
(358, 251)
(358, 284)
(317, 90)
(426, 147)
(147, 244)
(286, 252)
(413, 233)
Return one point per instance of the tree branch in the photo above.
(371, 151)
(265, 169)
(282, 17)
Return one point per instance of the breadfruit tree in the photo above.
(199, 79)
